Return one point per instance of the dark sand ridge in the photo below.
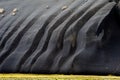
(60, 36)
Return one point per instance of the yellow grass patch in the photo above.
(54, 77)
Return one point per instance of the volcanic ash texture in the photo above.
(60, 36)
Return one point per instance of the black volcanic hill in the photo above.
(60, 36)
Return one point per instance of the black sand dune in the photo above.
(60, 36)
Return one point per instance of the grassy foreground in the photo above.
(54, 77)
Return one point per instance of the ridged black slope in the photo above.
(60, 36)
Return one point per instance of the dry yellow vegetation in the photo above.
(55, 77)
